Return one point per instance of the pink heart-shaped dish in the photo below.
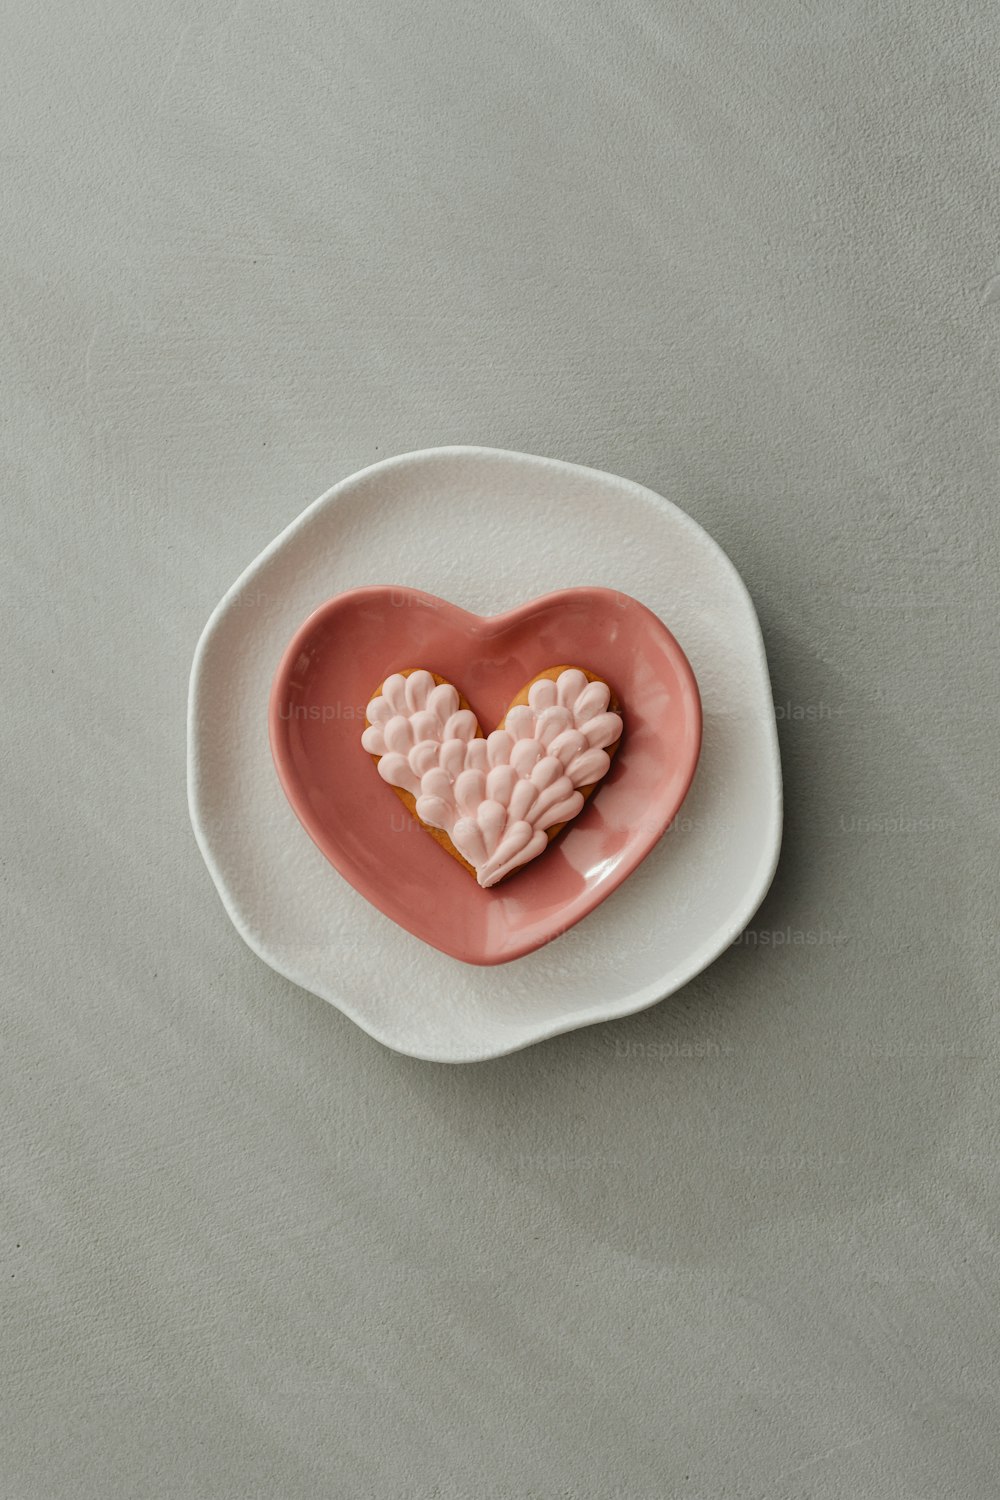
(317, 712)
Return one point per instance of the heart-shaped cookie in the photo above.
(496, 801)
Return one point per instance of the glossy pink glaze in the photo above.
(348, 646)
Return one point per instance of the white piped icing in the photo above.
(496, 797)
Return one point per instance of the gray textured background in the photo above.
(742, 1245)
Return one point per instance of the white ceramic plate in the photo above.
(486, 529)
